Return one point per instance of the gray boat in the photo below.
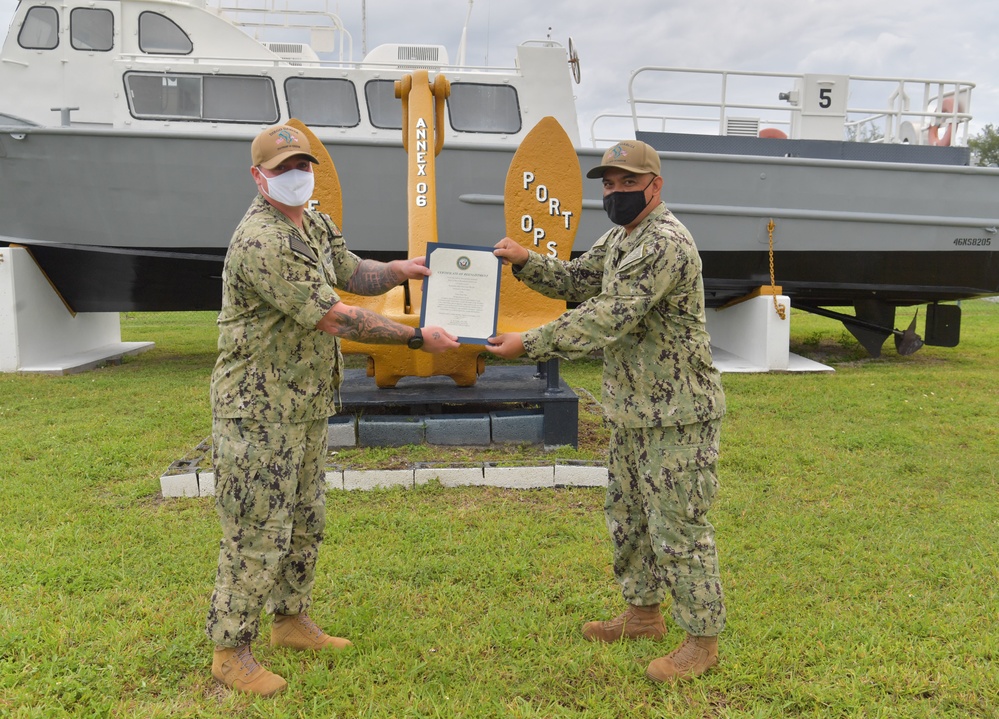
(124, 127)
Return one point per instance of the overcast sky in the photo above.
(956, 40)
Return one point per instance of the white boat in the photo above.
(124, 130)
(128, 192)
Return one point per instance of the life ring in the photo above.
(933, 131)
(773, 133)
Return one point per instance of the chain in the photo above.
(779, 308)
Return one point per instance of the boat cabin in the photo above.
(180, 64)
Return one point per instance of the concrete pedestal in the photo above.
(499, 388)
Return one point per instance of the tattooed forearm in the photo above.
(372, 278)
(361, 325)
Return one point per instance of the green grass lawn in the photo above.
(858, 528)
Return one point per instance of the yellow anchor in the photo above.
(542, 205)
(542, 202)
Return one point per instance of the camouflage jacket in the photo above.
(642, 302)
(277, 283)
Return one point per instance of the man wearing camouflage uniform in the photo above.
(272, 391)
(641, 301)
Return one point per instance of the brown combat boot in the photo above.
(299, 632)
(635, 622)
(237, 669)
(693, 657)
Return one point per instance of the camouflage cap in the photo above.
(629, 155)
(276, 144)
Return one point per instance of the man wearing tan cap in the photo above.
(272, 391)
(641, 301)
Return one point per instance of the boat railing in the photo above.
(318, 35)
(722, 102)
(547, 42)
(326, 30)
(264, 20)
(659, 124)
(138, 59)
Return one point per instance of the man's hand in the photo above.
(411, 269)
(511, 252)
(438, 339)
(508, 345)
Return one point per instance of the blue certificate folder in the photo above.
(462, 292)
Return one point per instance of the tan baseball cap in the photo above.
(629, 155)
(276, 144)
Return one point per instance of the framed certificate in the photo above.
(462, 292)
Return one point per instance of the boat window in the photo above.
(164, 96)
(40, 30)
(159, 35)
(91, 29)
(384, 108)
(215, 98)
(243, 99)
(321, 102)
(483, 108)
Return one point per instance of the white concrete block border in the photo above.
(519, 477)
(377, 478)
(180, 485)
(201, 483)
(449, 476)
(580, 475)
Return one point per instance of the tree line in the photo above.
(985, 147)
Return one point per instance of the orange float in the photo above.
(933, 131)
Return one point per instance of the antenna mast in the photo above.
(462, 46)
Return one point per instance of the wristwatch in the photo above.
(416, 341)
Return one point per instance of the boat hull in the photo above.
(130, 221)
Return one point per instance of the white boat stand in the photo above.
(39, 333)
(750, 335)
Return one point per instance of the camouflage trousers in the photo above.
(661, 483)
(270, 495)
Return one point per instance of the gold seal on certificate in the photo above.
(462, 292)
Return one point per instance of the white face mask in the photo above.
(293, 188)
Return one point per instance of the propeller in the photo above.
(907, 341)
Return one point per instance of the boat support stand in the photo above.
(753, 333)
(40, 333)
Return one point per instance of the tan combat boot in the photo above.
(693, 657)
(237, 669)
(635, 622)
(299, 632)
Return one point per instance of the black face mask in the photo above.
(623, 207)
